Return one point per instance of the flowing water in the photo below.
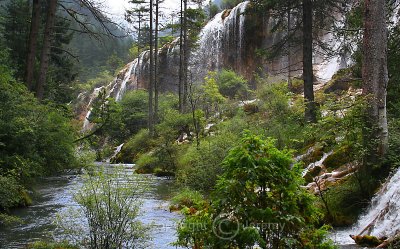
(54, 195)
(382, 218)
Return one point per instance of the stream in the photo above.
(54, 195)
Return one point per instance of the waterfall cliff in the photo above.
(229, 40)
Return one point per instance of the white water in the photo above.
(116, 151)
(127, 76)
(317, 163)
(215, 39)
(383, 215)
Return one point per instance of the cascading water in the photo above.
(382, 218)
(223, 34)
(127, 76)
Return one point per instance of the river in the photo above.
(54, 195)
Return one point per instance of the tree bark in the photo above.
(151, 72)
(180, 84)
(310, 110)
(34, 30)
(45, 56)
(156, 64)
(185, 55)
(375, 77)
(289, 55)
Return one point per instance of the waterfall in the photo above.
(127, 76)
(383, 214)
(382, 218)
(222, 35)
(116, 151)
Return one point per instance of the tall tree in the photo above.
(180, 84)
(151, 72)
(156, 60)
(33, 35)
(375, 76)
(45, 55)
(310, 111)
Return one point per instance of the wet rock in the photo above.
(367, 240)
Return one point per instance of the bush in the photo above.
(46, 245)
(232, 85)
(199, 167)
(146, 164)
(135, 110)
(189, 199)
(12, 194)
(259, 187)
(135, 147)
(109, 203)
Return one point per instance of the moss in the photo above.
(26, 200)
(338, 158)
(250, 108)
(315, 171)
(366, 240)
(297, 85)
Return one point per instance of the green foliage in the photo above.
(261, 174)
(12, 194)
(35, 139)
(282, 119)
(109, 202)
(136, 146)
(47, 245)
(232, 85)
(257, 201)
(199, 167)
(146, 164)
(188, 198)
(134, 109)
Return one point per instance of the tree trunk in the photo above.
(289, 55)
(34, 30)
(185, 54)
(156, 64)
(45, 56)
(151, 71)
(180, 84)
(310, 110)
(375, 77)
(138, 48)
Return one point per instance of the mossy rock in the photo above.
(250, 108)
(338, 158)
(366, 240)
(315, 171)
(297, 85)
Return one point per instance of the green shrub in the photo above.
(146, 164)
(136, 146)
(12, 194)
(231, 84)
(188, 198)
(47, 245)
